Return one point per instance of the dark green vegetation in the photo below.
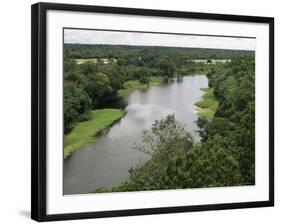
(131, 53)
(107, 71)
(84, 132)
(208, 105)
(226, 154)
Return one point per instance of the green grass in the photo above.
(208, 105)
(132, 85)
(85, 132)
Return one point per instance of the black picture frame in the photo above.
(38, 110)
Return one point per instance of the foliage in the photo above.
(226, 154)
(177, 162)
(76, 105)
(147, 54)
(98, 86)
(234, 87)
(101, 72)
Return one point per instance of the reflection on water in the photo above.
(106, 162)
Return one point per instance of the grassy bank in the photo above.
(84, 132)
(132, 85)
(208, 105)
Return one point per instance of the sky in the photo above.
(152, 39)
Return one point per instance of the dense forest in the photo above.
(131, 53)
(225, 156)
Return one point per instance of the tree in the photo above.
(76, 105)
(75, 77)
(144, 80)
(88, 68)
(176, 162)
(208, 165)
(98, 86)
(69, 65)
(166, 66)
(115, 75)
(165, 136)
(217, 126)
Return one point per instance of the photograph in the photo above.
(152, 111)
(139, 111)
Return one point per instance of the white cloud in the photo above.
(152, 39)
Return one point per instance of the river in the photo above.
(105, 163)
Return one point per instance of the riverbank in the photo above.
(85, 132)
(208, 105)
(132, 85)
